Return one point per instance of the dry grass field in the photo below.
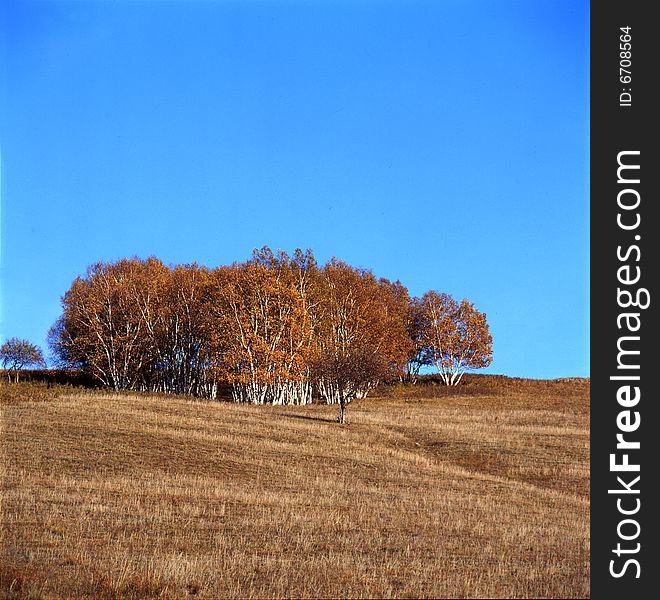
(462, 495)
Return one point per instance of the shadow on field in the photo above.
(308, 417)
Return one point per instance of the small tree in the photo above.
(349, 374)
(16, 354)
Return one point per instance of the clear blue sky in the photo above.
(443, 143)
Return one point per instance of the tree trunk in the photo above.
(342, 410)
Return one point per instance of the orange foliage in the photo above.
(260, 325)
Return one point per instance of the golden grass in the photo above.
(122, 496)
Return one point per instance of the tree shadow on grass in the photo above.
(309, 417)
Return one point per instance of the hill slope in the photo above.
(128, 496)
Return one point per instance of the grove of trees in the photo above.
(278, 328)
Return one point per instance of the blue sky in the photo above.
(443, 143)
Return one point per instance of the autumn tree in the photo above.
(299, 272)
(149, 293)
(16, 354)
(420, 354)
(357, 316)
(174, 310)
(138, 324)
(455, 335)
(260, 334)
(107, 324)
(100, 328)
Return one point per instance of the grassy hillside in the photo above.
(463, 495)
